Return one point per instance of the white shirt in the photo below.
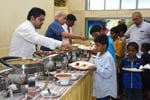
(105, 81)
(24, 39)
(139, 34)
(65, 27)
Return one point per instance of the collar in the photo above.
(28, 22)
(129, 59)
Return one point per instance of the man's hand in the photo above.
(66, 45)
(83, 38)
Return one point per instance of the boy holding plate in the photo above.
(105, 84)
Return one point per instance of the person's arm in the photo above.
(35, 38)
(73, 36)
(120, 71)
(128, 32)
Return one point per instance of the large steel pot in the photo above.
(25, 66)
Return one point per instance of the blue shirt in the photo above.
(131, 79)
(111, 47)
(54, 31)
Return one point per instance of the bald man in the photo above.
(139, 32)
(56, 31)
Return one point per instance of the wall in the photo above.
(14, 12)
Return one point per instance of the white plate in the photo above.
(53, 94)
(76, 45)
(147, 66)
(83, 65)
(85, 47)
(132, 69)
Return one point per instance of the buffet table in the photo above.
(80, 89)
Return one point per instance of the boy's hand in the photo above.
(92, 68)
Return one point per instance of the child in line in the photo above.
(105, 84)
(97, 30)
(132, 81)
(145, 48)
(122, 29)
(117, 34)
(114, 32)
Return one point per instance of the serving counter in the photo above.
(79, 89)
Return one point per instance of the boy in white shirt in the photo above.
(105, 83)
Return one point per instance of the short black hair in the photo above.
(122, 27)
(71, 17)
(36, 12)
(102, 39)
(114, 29)
(146, 46)
(95, 28)
(133, 44)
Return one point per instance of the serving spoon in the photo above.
(49, 91)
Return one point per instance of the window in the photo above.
(117, 4)
(143, 4)
(128, 4)
(96, 4)
(112, 4)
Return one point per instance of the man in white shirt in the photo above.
(68, 26)
(139, 32)
(25, 36)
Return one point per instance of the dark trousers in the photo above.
(133, 94)
(105, 98)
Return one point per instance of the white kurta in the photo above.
(25, 38)
(105, 82)
(65, 27)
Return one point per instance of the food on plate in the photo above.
(80, 65)
(77, 64)
(84, 65)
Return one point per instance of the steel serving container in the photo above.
(25, 66)
(4, 71)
